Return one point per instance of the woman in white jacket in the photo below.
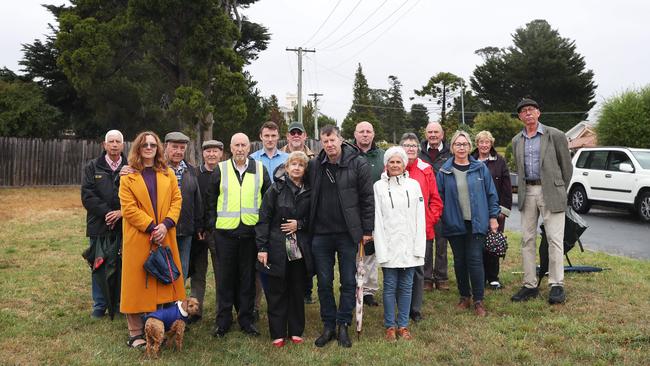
(400, 237)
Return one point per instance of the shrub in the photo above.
(625, 119)
(502, 126)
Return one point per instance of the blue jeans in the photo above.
(99, 302)
(468, 262)
(398, 286)
(184, 248)
(324, 249)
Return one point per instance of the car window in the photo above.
(615, 159)
(643, 157)
(596, 160)
(582, 159)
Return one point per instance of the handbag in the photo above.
(496, 244)
(160, 264)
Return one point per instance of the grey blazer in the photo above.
(555, 168)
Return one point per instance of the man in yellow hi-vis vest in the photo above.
(233, 200)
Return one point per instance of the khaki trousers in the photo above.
(534, 206)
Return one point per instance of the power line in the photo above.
(338, 26)
(373, 28)
(323, 23)
(358, 26)
(380, 35)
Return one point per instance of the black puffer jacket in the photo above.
(354, 185)
(99, 194)
(191, 218)
(283, 200)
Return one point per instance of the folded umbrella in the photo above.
(360, 275)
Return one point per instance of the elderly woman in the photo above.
(470, 209)
(151, 204)
(400, 239)
(283, 249)
(486, 153)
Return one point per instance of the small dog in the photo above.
(169, 322)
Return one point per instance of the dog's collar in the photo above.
(180, 307)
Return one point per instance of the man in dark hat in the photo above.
(190, 221)
(296, 137)
(543, 173)
(212, 155)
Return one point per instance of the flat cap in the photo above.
(295, 125)
(524, 102)
(212, 143)
(176, 137)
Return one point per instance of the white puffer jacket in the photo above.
(400, 232)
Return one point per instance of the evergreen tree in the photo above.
(542, 65)
(442, 87)
(418, 119)
(395, 123)
(361, 109)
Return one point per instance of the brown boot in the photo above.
(464, 303)
(479, 309)
(428, 285)
(442, 285)
(390, 334)
(404, 333)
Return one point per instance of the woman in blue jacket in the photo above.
(470, 209)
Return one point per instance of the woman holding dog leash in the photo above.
(151, 205)
(283, 250)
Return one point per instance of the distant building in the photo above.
(582, 135)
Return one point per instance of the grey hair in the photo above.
(485, 135)
(409, 136)
(113, 133)
(330, 129)
(299, 156)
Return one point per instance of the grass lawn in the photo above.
(45, 309)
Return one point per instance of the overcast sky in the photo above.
(411, 39)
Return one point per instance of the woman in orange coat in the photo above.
(151, 204)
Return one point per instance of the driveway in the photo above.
(610, 231)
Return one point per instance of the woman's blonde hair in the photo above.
(484, 135)
(135, 159)
(299, 156)
(458, 134)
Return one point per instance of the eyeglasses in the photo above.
(526, 110)
(459, 145)
(151, 145)
(410, 146)
(295, 132)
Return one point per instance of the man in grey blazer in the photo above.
(544, 170)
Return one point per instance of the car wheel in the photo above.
(643, 207)
(578, 199)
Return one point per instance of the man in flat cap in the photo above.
(544, 170)
(212, 154)
(190, 221)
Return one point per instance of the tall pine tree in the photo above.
(361, 109)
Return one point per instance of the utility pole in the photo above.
(315, 95)
(462, 103)
(300, 51)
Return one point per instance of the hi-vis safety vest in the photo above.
(239, 202)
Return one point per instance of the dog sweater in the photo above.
(169, 315)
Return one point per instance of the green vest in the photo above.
(239, 202)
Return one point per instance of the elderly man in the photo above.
(99, 196)
(342, 214)
(234, 199)
(424, 175)
(543, 173)
(212, 154)
(364, 140)
(190, 221)
(269, 154)
(296, 137)
(435, 152)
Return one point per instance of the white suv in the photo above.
(611, 176)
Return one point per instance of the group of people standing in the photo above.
(274, 218)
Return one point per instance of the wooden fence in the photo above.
(36, 162)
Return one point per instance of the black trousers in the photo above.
(286, 307)
(236, 278)
(199, 268)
